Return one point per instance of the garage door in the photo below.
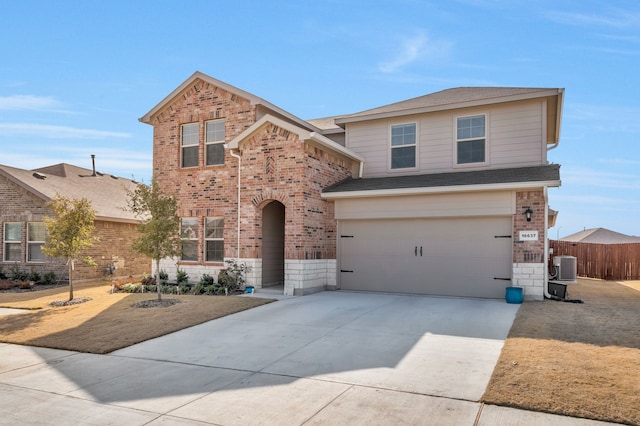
(468, 257)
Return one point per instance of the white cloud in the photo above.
(57, 132)
(414, 49)
(614, 18)
(28, 102)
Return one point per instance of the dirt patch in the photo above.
(108, 321)
(580, 360)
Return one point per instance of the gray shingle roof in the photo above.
(452, 98)
(600, 236)
(545, 173)
(107, 193)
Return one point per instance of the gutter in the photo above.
(436, 190)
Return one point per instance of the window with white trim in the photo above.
(189, 236)
(403, 146)
(12, 242)
(471, 139)
(36, 235)
(214, 239)
(214, 142)
(190, 144)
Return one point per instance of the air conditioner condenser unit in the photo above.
(567, 268)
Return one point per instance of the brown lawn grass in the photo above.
(108, 321)
(581, 360)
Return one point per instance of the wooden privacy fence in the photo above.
(605, 261)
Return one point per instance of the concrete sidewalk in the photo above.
(328, 358)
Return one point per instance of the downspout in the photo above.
(546, 246)
(234, 155)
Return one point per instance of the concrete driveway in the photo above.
(328, 358)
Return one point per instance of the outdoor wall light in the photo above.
(528, 213)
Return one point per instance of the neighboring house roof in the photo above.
(107, 193)
(600, 236)
(255, 100)
(511, 178)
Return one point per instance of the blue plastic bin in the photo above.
(513, 295)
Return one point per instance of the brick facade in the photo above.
(114, 245)
(528, 256)
(275, 164)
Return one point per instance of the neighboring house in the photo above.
(602, 253)
(24, 194)
(600, 236)
(425, 196)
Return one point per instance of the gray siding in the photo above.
(515, 137)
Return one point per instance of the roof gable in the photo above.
(107, 193)
(192, 84)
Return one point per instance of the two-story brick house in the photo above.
(444, 194)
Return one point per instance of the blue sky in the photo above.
(76, 76)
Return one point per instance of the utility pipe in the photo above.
(546, 245)
(234, 155)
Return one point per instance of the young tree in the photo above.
(159, 227)
(69, 232)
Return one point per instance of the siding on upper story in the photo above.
(515, 137)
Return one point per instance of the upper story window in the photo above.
(12, 242)
(214, 142)
(36, 235)
(214, 239)
(189, 234)
(471, 139)
(189, 143)
(403, 146)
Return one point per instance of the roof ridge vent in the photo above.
(39, 175)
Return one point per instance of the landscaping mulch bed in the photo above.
(581, 360)
(107, 321)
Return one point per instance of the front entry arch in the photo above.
(273, 244)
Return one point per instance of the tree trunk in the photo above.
(158, 284)
(70, 279)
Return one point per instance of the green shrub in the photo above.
(49, 278)
(150, 288)
(232, 277)
(206, 280)
(184, 289)
(182, 277)
(3, 276)
(17, 274)
(168, 289)
(35, 277)
(164, 277)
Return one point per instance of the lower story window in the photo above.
(36, 234)
(189, 236)
(214, 239)
(12, 242)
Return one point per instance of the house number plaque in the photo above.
(528, 235)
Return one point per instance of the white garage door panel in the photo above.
(448, 257)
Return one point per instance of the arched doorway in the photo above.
(273, 244)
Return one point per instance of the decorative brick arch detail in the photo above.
(266, 196)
